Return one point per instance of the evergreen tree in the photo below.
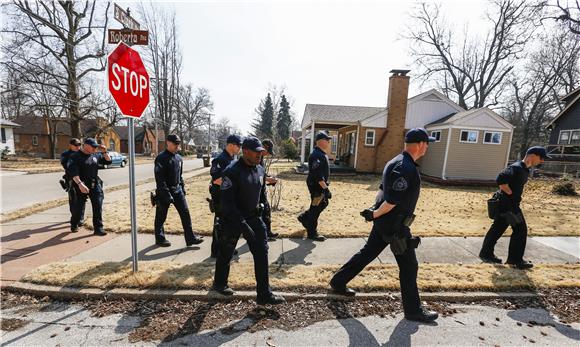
(265, 120)
(284, 119)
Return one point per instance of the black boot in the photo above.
(423, 315)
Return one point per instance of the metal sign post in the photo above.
(132, 198)
(129, 86)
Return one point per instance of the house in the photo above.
(34, 136)
(6, 128)
(564, 143)
(479, 137)
(144, 140)
(368, 137)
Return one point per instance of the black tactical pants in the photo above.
(161, 215)
(318, 203)
(518, 238)
(72, 193)
(78, 209)
(258, 244)
(408, 267)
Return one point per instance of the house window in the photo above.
(370, 137)
(469, 136)
(3, 135)
(111, 145)
(564, 137)
(334, 143)
(34, 140)
(575, 138)
(436, 135)
(492, 137)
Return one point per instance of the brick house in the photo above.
(33, 137)
(144, 140)
(370, 136)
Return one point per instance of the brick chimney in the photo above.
(396, 114)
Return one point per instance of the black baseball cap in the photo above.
(417, 135)
(75, 141)
(91, 141)
(539, 151)
(234, 139)
(173, 138)
(253, 143)
(269, 145)
(322, 136)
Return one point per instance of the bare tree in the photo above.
(195, 106)
(567, 12)
(164, 55)
(63, 40)
(470, 70)
(534, 94)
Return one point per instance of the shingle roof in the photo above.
(450, 118)
(336, 113)
(7, 123)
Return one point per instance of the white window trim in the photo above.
(560, 137)
(334, 145)
(493, 132)
(572, 131)
(367, 131)
(467, 130)
(436, 131)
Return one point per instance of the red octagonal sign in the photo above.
(128, 80)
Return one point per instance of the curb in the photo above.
(203, 295)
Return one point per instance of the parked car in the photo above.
(117, 158)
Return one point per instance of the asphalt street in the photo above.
(19, 191)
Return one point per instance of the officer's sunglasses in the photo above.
(77, 144)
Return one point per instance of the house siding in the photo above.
(432, 163)
(569, 120)
(477, 161)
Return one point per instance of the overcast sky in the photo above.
(323, 52)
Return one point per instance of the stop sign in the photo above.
(128, 80)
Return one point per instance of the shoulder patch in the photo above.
(400, 184)
(226, 183)
(316, 164)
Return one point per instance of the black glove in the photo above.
(327, 194)
(153, 198)
(367, 214)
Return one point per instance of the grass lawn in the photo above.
(432, 277)
(441, 211)
(32, 165)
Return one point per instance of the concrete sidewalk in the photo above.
(45, 237)
(332, 251)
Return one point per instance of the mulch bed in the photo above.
(170, 319)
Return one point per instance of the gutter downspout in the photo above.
(444, 169)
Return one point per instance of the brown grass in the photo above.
(171, 275)
(441, 211)
(31, 165)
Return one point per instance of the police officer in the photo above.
(317, 182)
(233, 145)
(242, 193)
(171, 190)
(83, 167)
(66, 181)
(511, 181)
(270, 181)
(391, 216)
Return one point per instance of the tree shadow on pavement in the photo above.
(142, 254)
(505, 275)
(296, 255)
(215, 338)
(358, 334)
(24, 234)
